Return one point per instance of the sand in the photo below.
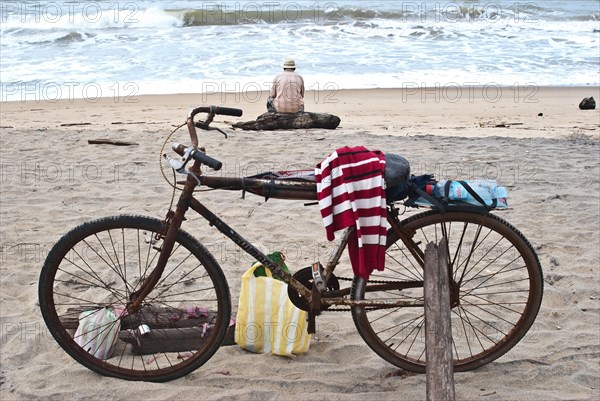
(535, 141)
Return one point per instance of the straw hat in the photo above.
(289, 63)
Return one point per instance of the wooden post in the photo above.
(438, 332)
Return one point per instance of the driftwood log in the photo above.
(104, 141)
(151, 316)
(171, 329)
(274, 121)
(172, 340)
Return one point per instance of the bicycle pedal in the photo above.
(317, 274)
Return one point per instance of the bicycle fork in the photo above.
(174, 221)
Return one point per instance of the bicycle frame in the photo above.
(315, 298)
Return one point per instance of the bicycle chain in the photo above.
(352, 279)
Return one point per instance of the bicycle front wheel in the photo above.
(88, 278)
(496, 290)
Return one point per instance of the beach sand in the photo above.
(534, 140)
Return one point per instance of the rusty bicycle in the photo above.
(156, 277)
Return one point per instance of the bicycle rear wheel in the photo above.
(496, 291)
(93, 270)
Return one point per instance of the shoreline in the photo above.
(409, 87)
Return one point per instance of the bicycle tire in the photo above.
(500, 291)
(99, 263)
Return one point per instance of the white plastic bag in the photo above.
(98, 331)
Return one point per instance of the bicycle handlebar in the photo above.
(207, 160)
(229, 111)
(198, 155)
(216, 110)
(211, 111)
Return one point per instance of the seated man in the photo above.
(287, 92)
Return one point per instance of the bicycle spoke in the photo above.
(485, 324)
(483, 257)
(94, 275)
(116, 265)
(415, 271)
(418, 328)
(464, 330)
(474, 247)
(393, 272)
(496, 315)
(71, 282)
(164, 278)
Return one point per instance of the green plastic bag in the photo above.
(278, 258)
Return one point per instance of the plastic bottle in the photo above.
(486, 189)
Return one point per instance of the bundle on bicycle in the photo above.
(139, 298)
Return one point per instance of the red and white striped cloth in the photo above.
(351, 192)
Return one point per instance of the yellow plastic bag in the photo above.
(267, 321)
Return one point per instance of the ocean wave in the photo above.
(215, 14)
(109, 19)
(58, 37)
(71, 37)
(410, 12)
(247, 16)
(265, 15)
